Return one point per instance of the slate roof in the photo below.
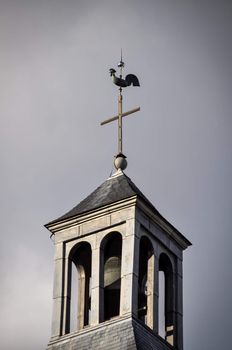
(112, 190)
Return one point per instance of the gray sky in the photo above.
(55, 89)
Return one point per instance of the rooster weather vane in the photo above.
(130, 79)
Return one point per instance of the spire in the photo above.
(130, 79)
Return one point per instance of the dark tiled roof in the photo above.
(112, 190)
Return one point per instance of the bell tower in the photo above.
(118, 266)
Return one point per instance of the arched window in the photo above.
(80, 278)
(166, 299)
(111, 249)
(146, 282)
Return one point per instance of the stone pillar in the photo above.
(135, 274)
(129, 271)
(150, 291)
(57, 314)
(170, 302)
(156, 295)
(179, 306)
(81, 299)
(66, 282)
(96, 313)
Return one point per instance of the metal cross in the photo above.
(119, 118)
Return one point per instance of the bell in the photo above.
(112, 271)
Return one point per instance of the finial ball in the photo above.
(121, 64)
(120, 161)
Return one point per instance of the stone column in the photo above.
(66, 308)
(81, 299)
(57, 314)
(95, 287)
(129, 270)
(156, 295)
(170, 302)
(179, 306)
(150, 291)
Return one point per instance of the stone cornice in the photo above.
(91, 215)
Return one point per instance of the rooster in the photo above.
(130, 79)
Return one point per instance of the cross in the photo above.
(119, 118)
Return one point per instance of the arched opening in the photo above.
(111, 279)
(146, 282)
(166, 299)
(80, 278)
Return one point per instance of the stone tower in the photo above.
(121, 254)
(118, 266)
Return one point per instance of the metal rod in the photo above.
(123, 115)
(120, 121)
(131, 111)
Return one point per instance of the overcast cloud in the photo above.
(55, 90)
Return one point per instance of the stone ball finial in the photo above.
(120, 161)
